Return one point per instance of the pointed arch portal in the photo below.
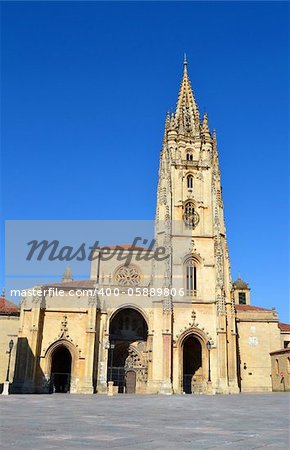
(61, 369)
(192, 364)
(128, 329)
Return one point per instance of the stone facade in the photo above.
(175, 326)
(258, 334)
(285, 334)
(8, 330)
(280, 364)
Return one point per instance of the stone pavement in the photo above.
(64, 421)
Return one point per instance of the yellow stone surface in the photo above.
(195, 340)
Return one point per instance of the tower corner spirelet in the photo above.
(67, 276)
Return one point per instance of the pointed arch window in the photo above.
(190, 276)
(189, 181)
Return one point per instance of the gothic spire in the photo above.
(187, 114)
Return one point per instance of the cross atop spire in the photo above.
(187, 114)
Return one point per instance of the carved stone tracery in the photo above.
(128, 276)
(135, 361)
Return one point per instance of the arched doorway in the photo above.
(192, 365)
(61, 369)
(127, 342)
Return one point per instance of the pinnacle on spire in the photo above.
(205, 127)
(167, 123)
(67, 276)
(214, 147)
(187, 113)
(167, 120)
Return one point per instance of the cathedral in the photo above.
(178, 325)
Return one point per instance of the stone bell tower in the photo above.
(190, 225)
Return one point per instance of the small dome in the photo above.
(240, 284)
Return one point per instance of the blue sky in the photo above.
(85, 90)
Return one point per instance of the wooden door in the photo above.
(130, 382)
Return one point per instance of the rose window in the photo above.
(128, 276)
(190, 216)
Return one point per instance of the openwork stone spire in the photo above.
(187, 114)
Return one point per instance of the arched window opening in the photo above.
(288, 364)
(128, 325)
(190, 277)
(242, 298)
(189, 181)
(189, 156)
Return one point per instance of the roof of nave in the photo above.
(73, 284)
(125, 247)
(7, 307)
(251, 308)
(284, 326)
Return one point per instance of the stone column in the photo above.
(103, 355)
(176, 381)
(166, 385)
(149, 359)
(87, 384)
(232, 352)
(32, 348)
(222, 376)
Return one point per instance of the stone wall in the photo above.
(258, 335)
(280, 365)
(8, 330)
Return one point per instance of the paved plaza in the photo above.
(245, 421)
